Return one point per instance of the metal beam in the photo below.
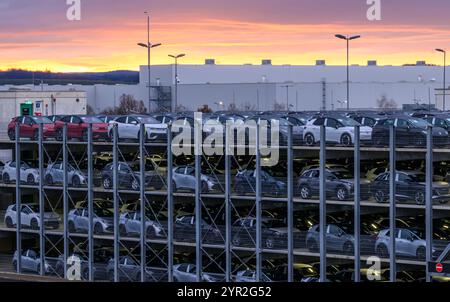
(323, 206)
(143, 236)
(392, 204)
(116, 201)
(290, 205)
(357, 207)
(258, 201)
(65, 199)
(90, 202)
(198, 200)
(18, 200)
(429, 201)
(41, 198)
(169, 203)
(228, 223)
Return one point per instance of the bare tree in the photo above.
(128, 105)
(385, 103)
(232, 107)
(90, 110)
(205, 109)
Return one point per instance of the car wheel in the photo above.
(421, 253)
(30, 179)
(382, 251)
(9, 223)
(236, 241)
(34, 224)
(312, 245)
(6, 178)
(380, 196)
(35, 136)
(98, 229)
(305, 192)
(107, 183)
(59, 135)
(135, 185)
(419, 198)
(12, 134)
(76, 182)
(341, 194)
(348, 248)
(310, 140)
(72, 228)
(346, 140)
(49, 180)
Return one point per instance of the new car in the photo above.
(77, 128)
(410, 186)
(409, 131)
(31, 262)
(250, 276)
(274, 232)
(129, 177)
(129, 270)
(55, 118)
(302, 272)
(184, 229)
(31, 218)
(130, 224)
(29, 127)
(186, 272)
(184, 179)
(337, 236)
(99, 263)
(103, 220)
(245, 182)
(339, 130)
(339, 184)
(408, 242)
(28, 175)
(129, 127)
(54, 174)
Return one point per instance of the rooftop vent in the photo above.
(266, 62)
(321, 63)
(210, 62)
(421, 63)
(372, 63)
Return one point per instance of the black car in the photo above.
(274, 232)
(440, 120)
(245, 182)
(184, 229)
(129, 177)
(339, 184)
(369, 119)
(409, 131)
(410, 186)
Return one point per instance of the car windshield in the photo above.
(91, 119)
(41, 120)
(348, 122)
(305, 272)
(418, 123)
(101, 212)
(147, 120)
(342, 174)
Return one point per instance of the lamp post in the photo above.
(348, 39)
(445, 62)
(149, 46)
(176, 57)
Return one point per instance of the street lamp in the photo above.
(445, 62)
(149, 46)
(176, 57)
(348, 39)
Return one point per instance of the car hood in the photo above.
(283, 230)
(50, 215)
(156, 126)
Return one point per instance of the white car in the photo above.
(130, 223)
(339, 130)
(130, 126)
(27, 174)
(31, 262)
(187, 273)
(184, 179)
(30, 217)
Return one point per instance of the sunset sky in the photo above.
(37, 35)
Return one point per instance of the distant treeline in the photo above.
(20, 77)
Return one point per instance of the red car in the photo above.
(77, 126)
(29, 127)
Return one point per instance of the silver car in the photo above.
(129, 270)
(128, 127)
(31, 218)
(408, 242)
(337, 239)
(130, 224)
(184, 179)
(250, 276)
(28, 174)
(31, 262)
(103, 220)
(185, 272)
(55, 174)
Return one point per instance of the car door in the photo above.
(192, 273)
(332, 133)
(129, 268)
(181, 176)
(133, 127)
(27, 127)
(403, 186)
(28, 260)
(135, 223)
(121, 126)
(314, 182)
(23, 171)
(125, 175)
(315, 128)
(333, 237)
(189, 177)
(403, 135)
(403, 242)
(25, 215)
(57, 173)
(84, 221)
(331, 183)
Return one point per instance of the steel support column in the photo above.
(290, 205)
(323, 206)
(258, 201)
(18, 200)
(41, 198)
(90, 202)
(198, 198)
(65, 199)
(169, 203)
(429, 201)
(392, 204)
(228, 223)
(143, 235)
(116, 201)
(357, 207)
